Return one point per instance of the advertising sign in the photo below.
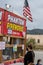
(1, 19)
(1, 14)
(15, 25)
(0, 29)
(1, 63)
(2, 45)
(12, 24)
(15, 48)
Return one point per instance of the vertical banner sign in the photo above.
(1, 20)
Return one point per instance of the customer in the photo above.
(26, 50)
(29, 56)
(39, 62)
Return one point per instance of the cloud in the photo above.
(36, 7)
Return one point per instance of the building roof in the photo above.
(35, 31)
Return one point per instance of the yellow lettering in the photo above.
(15, 27)
(0, 22)
(7, 25)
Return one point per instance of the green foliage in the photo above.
(31, 41)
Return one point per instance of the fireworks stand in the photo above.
(12, 35)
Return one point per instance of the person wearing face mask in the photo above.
(39, 62)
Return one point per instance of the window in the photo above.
(38, 41)
(7, 54)
(18, 53)
(22, 41)
(16, 41)
(5, 39)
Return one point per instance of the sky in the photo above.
(36, 7)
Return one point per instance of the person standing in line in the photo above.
(29, 56)
(39, 62)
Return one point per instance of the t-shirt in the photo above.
(29, 57)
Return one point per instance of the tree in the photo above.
(31, 41)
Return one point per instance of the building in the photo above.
(38, 38)
(36, 34)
